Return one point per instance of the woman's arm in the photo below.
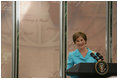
(70, 62)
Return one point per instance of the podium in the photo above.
(87, 70)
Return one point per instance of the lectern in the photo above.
(87, 70)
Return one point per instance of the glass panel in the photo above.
(6, 38)
(39, 39)
(88, 17)
(114, 33)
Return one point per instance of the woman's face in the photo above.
(80, 42)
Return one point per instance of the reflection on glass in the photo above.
(6, 38)
(39, 39)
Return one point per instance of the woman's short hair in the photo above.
(78, 34)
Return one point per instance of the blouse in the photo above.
(76, 57)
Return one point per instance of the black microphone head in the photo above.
(100, 56)
(97, 53)
(93, 55)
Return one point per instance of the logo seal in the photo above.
(101, 68)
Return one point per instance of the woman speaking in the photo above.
(81, 54)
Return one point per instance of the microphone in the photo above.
(100, 56)
(101, 67)
(93, 55)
